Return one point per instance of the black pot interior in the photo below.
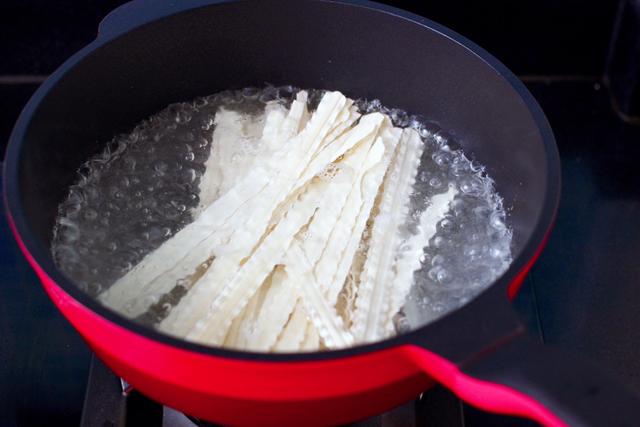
(360, 51)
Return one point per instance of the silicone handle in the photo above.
(573, 388)
(527, 379)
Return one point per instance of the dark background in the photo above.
(583, 294)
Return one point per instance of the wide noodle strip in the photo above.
(375, 283)
(409, 258)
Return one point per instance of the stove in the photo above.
(582, 293)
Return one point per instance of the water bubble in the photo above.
(470, 252)
(457, 206)
(200, 102)
(438, 307)
(91, 192)
(467, 186)
(496, 252)
(187, 176)
(250, 93)
(459, 169)
(110, 206)
(206, 123)
(441, 137)
(268, 96)
(433, 273)
(399, 118)
(187, 136)
(183, 117)
(160, 167)
(90, 214)
(125, 267)
(401, 323)
(130, 163)
(441, 159)
(94, 288)
(481, 212)
(496, 221)
(436, 260)
(445, 223)
(189, 156)
(435, 182)
(442, 276)
(424, 132)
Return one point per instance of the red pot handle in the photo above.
(531, 380)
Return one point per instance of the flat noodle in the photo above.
(295, 121)
(263, 329)
(409, 259)
(294, 333)
(371, 184)
(323, 315)
(234, 337)
(253, 307)
(316, 287)
(376, 280)
(233, 334)
(224, 166)
(311, 340)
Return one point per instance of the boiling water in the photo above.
(143, 188)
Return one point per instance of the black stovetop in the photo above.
(580, 295)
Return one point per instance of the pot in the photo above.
(150, 54)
